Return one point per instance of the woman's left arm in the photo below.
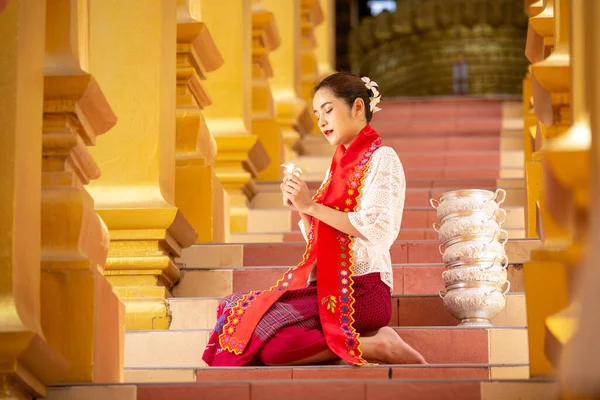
(334, 218)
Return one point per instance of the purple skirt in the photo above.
(291, 329)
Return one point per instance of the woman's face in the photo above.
(339, 123)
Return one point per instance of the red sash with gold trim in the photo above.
(332, 249)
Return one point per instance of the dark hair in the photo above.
(348, 87)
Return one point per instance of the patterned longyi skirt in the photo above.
(291, 329)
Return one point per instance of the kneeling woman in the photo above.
(349, 226)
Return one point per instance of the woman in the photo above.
(349, 225)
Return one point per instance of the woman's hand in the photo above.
(286, 197)
(295, 190)
(297, 197)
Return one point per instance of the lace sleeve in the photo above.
(380, 208)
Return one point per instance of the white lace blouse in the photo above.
(378, 215)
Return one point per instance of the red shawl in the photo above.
(332, 249)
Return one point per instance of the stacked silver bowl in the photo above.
(472, 246)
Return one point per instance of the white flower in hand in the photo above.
(291, 169)
(296, 191)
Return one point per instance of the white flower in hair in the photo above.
(369, 83)
(376, 98)
(373, 104)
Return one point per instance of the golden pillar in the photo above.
(132, 52)
(533, 167)
(265, 39)
(241, 155)
(198, 192)
(311, 15)
(540, 43)
(325, 40)
(81, 315)
(541, 299)
(293, 112)
(562, 147)
(27, 362)
(580, 377)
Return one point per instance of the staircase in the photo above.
(444, 144)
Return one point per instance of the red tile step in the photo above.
(410, 279)
(277, 254)
(424, 310)
(405, 234)
(439, 127)
(447, 160)
(435, 183)
(381, 372)
(412, 218)
(453, 173)
(425, 279)
(404, 145)
(319, 389)
(419, 196)
(438, 345)
(440, 108)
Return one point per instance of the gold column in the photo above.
(325, 38)
(540, 45)
(27, 362)
(311, 15)
(540, 42)
(265, 39)
(533, 167)
(292, 110)
(562, 213)
(580, 377)
(132, 52)
(81, 315)
(198, 192)
(241, 155)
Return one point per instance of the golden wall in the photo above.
(560, 100)
(140, 127)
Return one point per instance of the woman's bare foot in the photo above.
(389, 348)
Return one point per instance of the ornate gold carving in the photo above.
(441, 47)
(241, 154)
(291, 108)
(27, 362)
(197, 188)
(558, 138)
(135, 195)
(81, 315)
(265, 40)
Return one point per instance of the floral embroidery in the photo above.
(330, 301)
(220, 323)
(345, 262)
